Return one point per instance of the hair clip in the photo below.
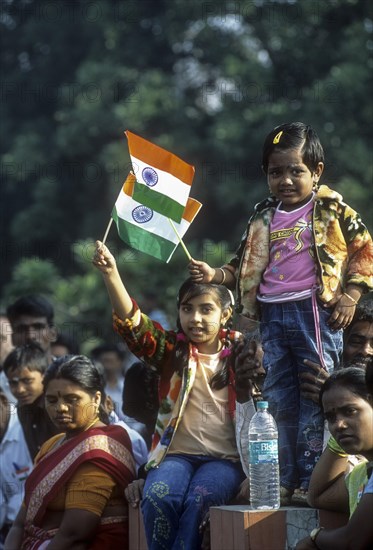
(277, 137)
(231, 297)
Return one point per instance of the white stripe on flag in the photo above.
(158, 224)
(167, 184)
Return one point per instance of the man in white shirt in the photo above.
(15, 465)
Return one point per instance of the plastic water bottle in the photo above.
(263, 460)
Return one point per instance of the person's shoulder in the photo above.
(48, 445)
(112, 430)
(268, 202)
(39, 403)
(326, 194)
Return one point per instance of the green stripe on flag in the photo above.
(142, 240)
(157, 201)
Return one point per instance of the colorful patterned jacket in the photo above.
(343, 247)
(148, 340)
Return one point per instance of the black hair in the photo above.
(364, 309)
(105, 348)
(67, 341)
(363, 312)
(79, 370)
(33, 305)
(369, 375)
(188, 290)
(295, 135)
(140, 398)
(30, 356)
(351, 378)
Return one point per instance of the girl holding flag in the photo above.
(194, 461)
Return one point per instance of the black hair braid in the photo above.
(180, 358)
(221, 378)
(102, 413)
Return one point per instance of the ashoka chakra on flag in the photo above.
(150, 176)
(142, 214)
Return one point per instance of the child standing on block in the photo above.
(303, 262)
(194, 462)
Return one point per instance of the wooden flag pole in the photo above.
(107, 230)
(180, 239)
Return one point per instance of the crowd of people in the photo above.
(161, 419)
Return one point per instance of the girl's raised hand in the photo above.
(103, 258)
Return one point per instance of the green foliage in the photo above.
(206, 80)
(32, 275)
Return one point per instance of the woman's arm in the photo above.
(119, 297)
(357, 533)
(327, 488)
(88, 492)
(14, 538)
(76, 532)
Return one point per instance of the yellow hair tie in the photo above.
(277, 137)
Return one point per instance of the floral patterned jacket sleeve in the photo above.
(343, 245)
(149, 341)
(145, 338)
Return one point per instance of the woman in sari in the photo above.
(74, 497)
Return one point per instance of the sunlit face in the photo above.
(70, 408)
(290, 180)
(358, 346)
(26, 385)
(59, 350)
(350, 420)
(201, 318)
(28, 329)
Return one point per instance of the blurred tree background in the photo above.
(206, 80)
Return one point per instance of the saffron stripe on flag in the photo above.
(159, 158)
(165, 182)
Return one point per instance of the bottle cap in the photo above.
(262, 405)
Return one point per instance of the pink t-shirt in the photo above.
(291, 267)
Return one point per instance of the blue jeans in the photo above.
(288, 337)
(178, 494)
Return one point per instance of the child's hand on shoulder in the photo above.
(200, 272)
(103, 259)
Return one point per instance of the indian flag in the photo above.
(146, 230)
(163, 180)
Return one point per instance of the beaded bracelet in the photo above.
(351, 298)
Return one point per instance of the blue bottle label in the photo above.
(263, 452)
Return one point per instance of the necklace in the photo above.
(92, 424)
